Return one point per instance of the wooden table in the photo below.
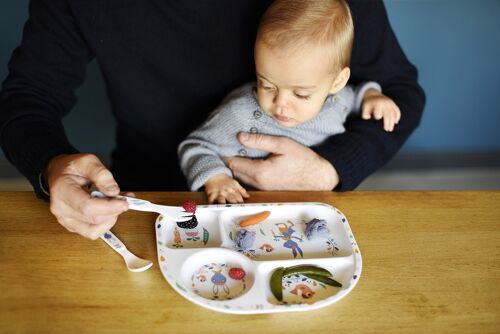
(431, 264)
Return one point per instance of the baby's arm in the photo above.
(202, 166)
(376, 105)
(200, 161)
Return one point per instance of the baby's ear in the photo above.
(341, 80)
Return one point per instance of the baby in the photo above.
(302, 54)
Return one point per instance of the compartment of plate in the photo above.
(207, 273)
(282, 235)
(302, 289)
(205, 234)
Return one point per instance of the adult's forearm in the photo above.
(377, 56)
(29, 142)
(365, 146)
(44, 72)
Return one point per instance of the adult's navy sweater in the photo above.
(166, 65)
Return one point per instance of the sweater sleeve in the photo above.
(44, 72)
(360, 91)
(199, 152)
(377, 56)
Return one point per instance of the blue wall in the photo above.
(456, 47)
(454, 43)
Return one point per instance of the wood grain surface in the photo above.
(431, 264)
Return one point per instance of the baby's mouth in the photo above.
(282, 118)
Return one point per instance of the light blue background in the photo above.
(455, 44)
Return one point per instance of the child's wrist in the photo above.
(371, 92)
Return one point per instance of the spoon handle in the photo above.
(113, 241)
(133, 262)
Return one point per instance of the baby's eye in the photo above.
(265, 86)
(302, 96)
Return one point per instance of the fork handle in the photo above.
(133, 203)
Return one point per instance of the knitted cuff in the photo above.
(360, 93)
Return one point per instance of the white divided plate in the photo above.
(197, 262)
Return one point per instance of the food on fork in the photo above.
(189, 206)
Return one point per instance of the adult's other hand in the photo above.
(290, 165)
(69, 178)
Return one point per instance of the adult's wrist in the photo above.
(42, 183)
(43, 176)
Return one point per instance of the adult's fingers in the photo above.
(90, 231)
(69, 178)
(243, 169)
(100, 176)
(87, 208)
(267, 143)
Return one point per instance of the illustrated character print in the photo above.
(267, 247)
(192, 235)
(219, 281)
(244, 243)
(177, 239)
(303, 291)
(287, 235)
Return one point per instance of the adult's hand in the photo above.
(290, 165)
(69, 178)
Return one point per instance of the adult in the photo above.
(166, 65)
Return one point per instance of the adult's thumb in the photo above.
(258, 141)
(101, 177)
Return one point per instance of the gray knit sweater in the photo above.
(200, 153)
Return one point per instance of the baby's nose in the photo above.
(280, 100)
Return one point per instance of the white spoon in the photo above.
(134, 263)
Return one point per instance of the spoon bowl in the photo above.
(134, 263)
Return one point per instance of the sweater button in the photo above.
(242, 152)
(257, 114)
(253, 129)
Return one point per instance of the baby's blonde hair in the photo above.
(294, 24)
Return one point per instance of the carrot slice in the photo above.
(255, 219)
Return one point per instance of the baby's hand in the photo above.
(221, 188)
(378, 106)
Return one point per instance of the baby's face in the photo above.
(292, 87)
